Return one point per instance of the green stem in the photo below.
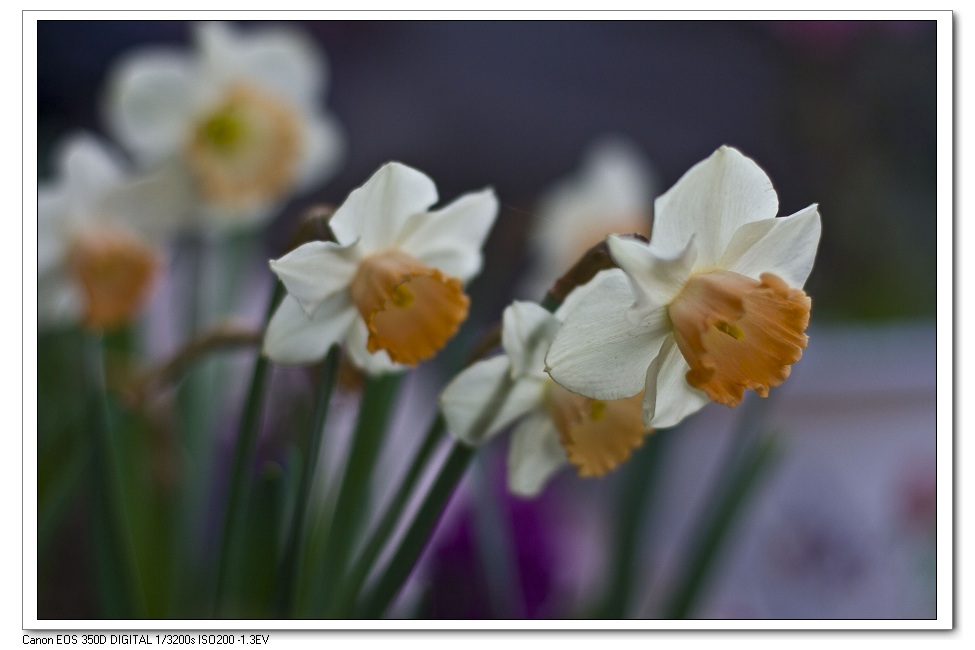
(495, 545)
(742, 472)
(414, 541)
(118, 577)
(375, 409)
(635, 508)
(293, 548)
(345, 604)
(250, 425)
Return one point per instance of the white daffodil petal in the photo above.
(450, 239)
(598, 351)
(150, 101)
(527, 331)
(785, 246)
(283, 60)
(324, 148)
(534, 455)
(376, 211)
(712, 200)
(484, 399)
(294, 338)
(88, 170)
(156, 204)
(52, 204)
(579, 295)
(618, 177)
(372, 364)
(669, 398)
(316, 270)
(614, 186)
(654, 280)
(59, 301)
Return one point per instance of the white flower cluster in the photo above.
(222, 135)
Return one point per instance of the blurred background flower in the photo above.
(96, 263)
(238, 121)
(611, 192)
(837, 113)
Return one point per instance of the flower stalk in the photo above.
(378, 400)
(121, 592)
(291, 561)
(365, 561)
(243, 455)
(749, 457)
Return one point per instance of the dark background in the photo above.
(839, 113)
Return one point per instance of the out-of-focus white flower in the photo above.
(238, 122)
(95, 259)
(610, 193)
(557, 426)
(390, 286)
(716, 305)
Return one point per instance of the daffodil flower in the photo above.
(612, 192)
(238, 122)
(557, 426)
(716, 306)
(391, 285)
(96, 260)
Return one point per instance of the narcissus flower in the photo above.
(391, 285)
(557, 426)
(95, 260)
(717, 305)
(239, 121)
(612, 192)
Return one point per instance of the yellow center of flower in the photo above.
(738, 333)
(115, 271)
(411, 310)
(247, 149)
(597, 435)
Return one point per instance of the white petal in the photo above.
(598, 351)
(150, 101)
(316, 270)
(280, 59)
(88, 169)
(59, 302)
(294, 337)
(372, 364)
(712, 200)
(534, 455)
(157, 204)
(286, 61)
(324, 150)
(580, 295)
(785, 246)
(669, 398)
(526, 334)
(615, 185)
(218, 217)
(52, 210)
(654, 280)
(484, 399)
(451, 238)
(376, 211)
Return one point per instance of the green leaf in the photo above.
(731, 493)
